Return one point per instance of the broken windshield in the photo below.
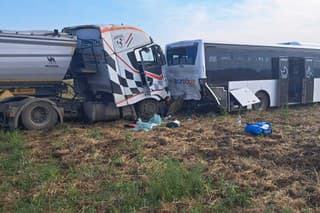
(182, 55)
(152, 58)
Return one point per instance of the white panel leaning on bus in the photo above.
(255, 76)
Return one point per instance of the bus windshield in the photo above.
(182, 55)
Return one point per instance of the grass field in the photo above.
(207, 165)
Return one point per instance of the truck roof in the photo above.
(55, 34)
(103, 28)
(78, 27)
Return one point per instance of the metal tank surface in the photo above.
(34, 56)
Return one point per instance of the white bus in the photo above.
(244, 75)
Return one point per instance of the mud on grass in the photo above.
(208, 164)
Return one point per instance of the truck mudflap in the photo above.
(245, 96)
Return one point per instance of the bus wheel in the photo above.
(264, 101)
(39, 115)
(147, 108)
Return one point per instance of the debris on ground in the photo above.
(173, 124)
(147, 126)
(167, 117)
(239, 120)
(130, 125)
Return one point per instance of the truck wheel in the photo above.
(147, 108)
(39, 115)
(264, 101)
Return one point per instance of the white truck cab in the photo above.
(119, 64)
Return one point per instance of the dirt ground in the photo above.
(282, 170)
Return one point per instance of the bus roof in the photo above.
(288, 45)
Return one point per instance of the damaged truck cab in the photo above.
(114, 71)
(118, 70)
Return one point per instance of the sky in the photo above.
(258, 21)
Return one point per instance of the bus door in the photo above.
(283, 75)
(296, 75)
(308, 82)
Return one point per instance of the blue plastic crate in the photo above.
(260, 128)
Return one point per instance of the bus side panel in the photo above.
(316, 89)
(269, 86)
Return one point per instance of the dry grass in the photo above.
(102, 167)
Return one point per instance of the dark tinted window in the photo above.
(182, 55)
(236, 64)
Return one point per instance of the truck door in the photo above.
(151, 61)
(308, 82)
(283, 74)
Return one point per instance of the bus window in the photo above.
(259, 65)
(267, 60)
(182, 55)
(224, 64)
(213, 59)
(239, 62)
(224, 57)
(260, 59)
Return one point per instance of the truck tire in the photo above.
(147, 108)
(264, 101)
(39, 115)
